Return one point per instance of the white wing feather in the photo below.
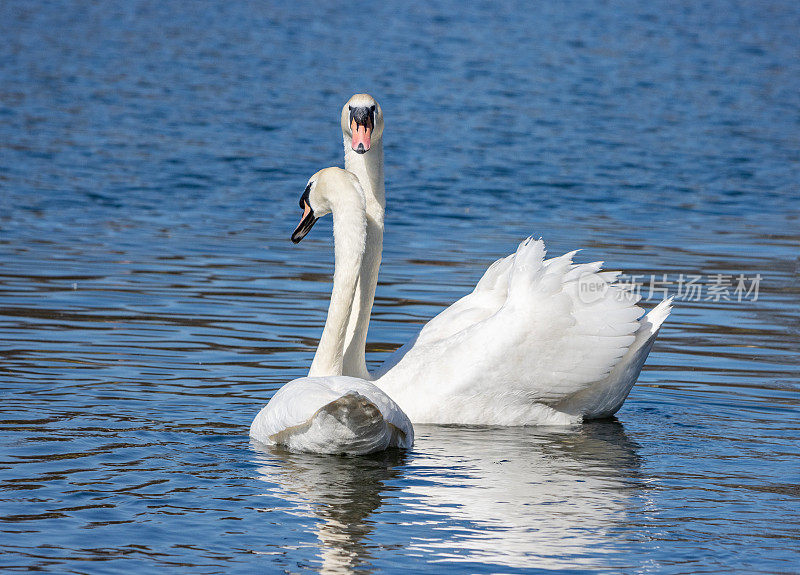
(527, 335)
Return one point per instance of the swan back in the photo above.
(336, 414)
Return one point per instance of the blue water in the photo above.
(151, 158)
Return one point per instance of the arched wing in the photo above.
(558, 328)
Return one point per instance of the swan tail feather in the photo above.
(652, 322)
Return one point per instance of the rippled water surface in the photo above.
(151, 158)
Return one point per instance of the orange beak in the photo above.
(362, 135)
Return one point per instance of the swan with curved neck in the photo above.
(327, 412)
(443, 374)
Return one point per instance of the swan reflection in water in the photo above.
(517, 497)
(340, 492)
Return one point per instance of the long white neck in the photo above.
(369, 170)
(348, 238)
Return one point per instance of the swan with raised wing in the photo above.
(327, 412)
(537, 341)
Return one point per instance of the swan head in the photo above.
(362, 122)
(330, 189)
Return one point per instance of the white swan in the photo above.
(532, 344)
(362, 132)
(327, 412)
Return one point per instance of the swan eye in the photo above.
(350, 107)
(372, 108)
